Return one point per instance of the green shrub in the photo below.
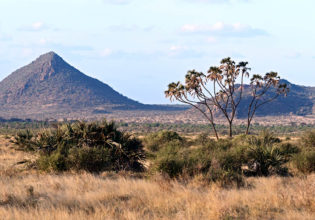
(203, 139)
(157, 140)
(169, 160)
(91, 159)
(198, 161)
(308, 140)
(23, 139)
(265, 138)
(305, 161)
(215, 162)
(226, 178)
(92, 147)
(288, 150)
(265, 161)
(232, 159)
(188, 162)
(172, 166)
(228, 159)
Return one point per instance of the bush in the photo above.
(214, 162)
(56, 161)
(203, 139)
(91, 159)
(232, 159)
(156, 141)
(226, 178)
(265, 138)
(92, 147)
(265, 154)
(172, 166)
(305, 161)
(265, 161)
(308, 140)
(228, 161)
(288, 150)
(23, 139)
(176, 161)
(169, 160)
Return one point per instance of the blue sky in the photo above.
(139, 46)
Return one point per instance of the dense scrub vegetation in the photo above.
(305, 161)
(84, 146)
(230, 160)
(100, 146)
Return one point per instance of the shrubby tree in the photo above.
(259, 86)
(221, 90)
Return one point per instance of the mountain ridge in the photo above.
(49, 80)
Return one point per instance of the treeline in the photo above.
(13, 126)
(140, 128)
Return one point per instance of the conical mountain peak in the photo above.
(50, 55)
(51, 59)
(50, 84)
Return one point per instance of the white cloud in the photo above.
(106, 52)
(224, 30)
(36, 26)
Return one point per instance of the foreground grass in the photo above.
(86, 196)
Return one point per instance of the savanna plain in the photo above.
(168, 175)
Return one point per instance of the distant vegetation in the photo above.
(12, 127)
(190, 129)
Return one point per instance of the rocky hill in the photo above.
(49, 86)
(299, 101)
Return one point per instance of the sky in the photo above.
(138, 47)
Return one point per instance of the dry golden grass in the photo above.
(32, 195)
(86, 196)
(12, 160)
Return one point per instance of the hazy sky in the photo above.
(139, 46)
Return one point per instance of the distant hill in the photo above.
(299, 101)
(49, 85)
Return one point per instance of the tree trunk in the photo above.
(249, 121)
(248, 126)
(215, 131)
(231, 130)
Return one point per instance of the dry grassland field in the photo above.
(26, 193)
